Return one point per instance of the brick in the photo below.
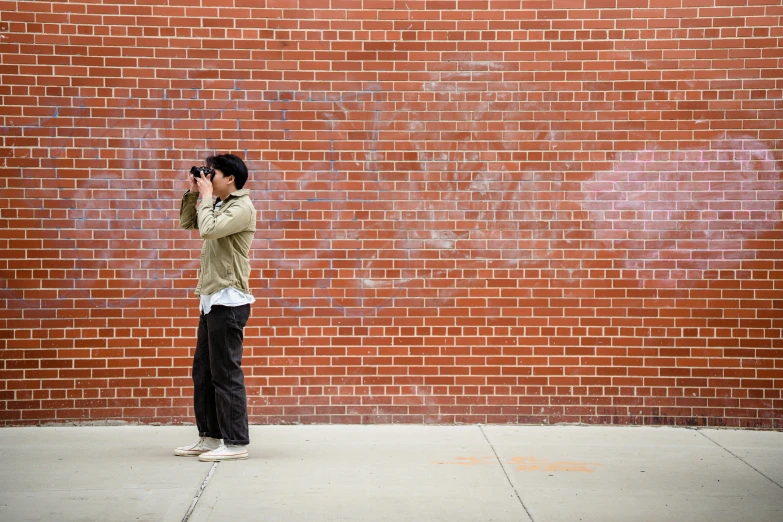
(461, 209)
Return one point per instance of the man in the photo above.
(227, 228)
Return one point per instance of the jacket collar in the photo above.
(238, 194)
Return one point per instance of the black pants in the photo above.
(220, 400)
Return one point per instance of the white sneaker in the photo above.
(203, 445)
(224, 452)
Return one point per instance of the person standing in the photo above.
(227, 228)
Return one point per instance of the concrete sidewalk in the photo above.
(395, 473)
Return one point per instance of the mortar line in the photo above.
(199, 492)
(741, 459)
(510, 482)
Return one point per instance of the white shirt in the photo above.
(226, 297)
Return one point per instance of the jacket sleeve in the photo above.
(235, 218)
(187, 211)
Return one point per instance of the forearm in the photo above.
(188, 217)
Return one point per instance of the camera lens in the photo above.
(195, 171)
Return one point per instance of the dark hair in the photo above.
(230, 165)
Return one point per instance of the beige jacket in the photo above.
(227, 234)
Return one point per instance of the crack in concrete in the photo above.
(511, 483)
(199, 492)
(741, 459)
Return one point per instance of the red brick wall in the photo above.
(469, 211)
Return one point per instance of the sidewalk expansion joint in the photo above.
(508, 478)
(199, 492)
(741, 460)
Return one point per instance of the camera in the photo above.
(198, 171)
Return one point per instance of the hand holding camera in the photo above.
(201, 180)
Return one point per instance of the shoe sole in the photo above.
(226, 457)
(186, 453)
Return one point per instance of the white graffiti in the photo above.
(688, 206)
